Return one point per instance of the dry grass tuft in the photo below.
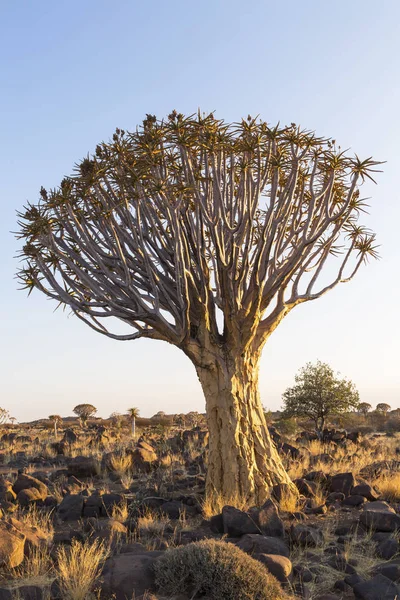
(289, 502)
(389, 486)
(78, 568)
(121, 463)
(214, 503)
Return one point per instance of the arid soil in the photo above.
(94, 513)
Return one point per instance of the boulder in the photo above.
(71, 507)
(12, 545)
(82, 466)
(129, 575)
(29, 496)
(386, 549)
(305, 535)
(268, 520)
(279, 566)
(342, 482)
(34, 537)
(379, 520)
(237, 522)
(25, 482)
(262, 544)
(377, 588)
(143, 459)
(366, 490)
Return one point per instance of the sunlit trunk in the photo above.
(243, 461)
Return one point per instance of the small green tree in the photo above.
(133, 414)
(382, 407)
(318, 393)
(84, 411)
(364, 408)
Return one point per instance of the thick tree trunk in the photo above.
(243, 461)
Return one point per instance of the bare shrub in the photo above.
(215, 568)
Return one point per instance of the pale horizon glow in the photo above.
(71, 74)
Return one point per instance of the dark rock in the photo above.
(304, 487)
(25, 482)
(342, 482)
(354, 500)
(380, 520)
(217, 524)
(366, 490)
(261, 544)
(82, 466)
(304, 535)
(377, 588)
(391, 570)
(129, 575)
(386, 549)
(71, 507)
(238, 523)
(268, 520)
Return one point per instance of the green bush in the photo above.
(215, 569)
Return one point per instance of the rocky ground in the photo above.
(95, 514)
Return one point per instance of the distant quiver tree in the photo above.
(205, 235)
(133, 414)
(84, 411)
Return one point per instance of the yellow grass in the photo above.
(289, 502)
(389, 486)
(78, 568)
(121, 463)
(214, 503)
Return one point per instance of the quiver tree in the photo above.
(204, 235)
(133, 414)
(56, 420)
(84, 411)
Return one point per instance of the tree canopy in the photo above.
(318, 393)
(165, 225)
(84, 411)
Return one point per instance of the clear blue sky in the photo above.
(73, 71)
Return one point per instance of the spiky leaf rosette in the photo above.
(184, 216)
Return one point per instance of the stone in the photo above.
(34, 537)
(82, 466)
(237, 523)
(279, 566)
(305, 535)
(383, 520)
(386, 549)
(129, 575)
(12, 545)
(262, 544)
(366, 490)
(377, 588)
(268, 520)
(354, 500)
(390, 569)
(304, 487)
(143, 459)
(342, 482)
(71, 507)
(29, 496)
(25, 482)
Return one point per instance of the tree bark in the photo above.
(243, 462)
